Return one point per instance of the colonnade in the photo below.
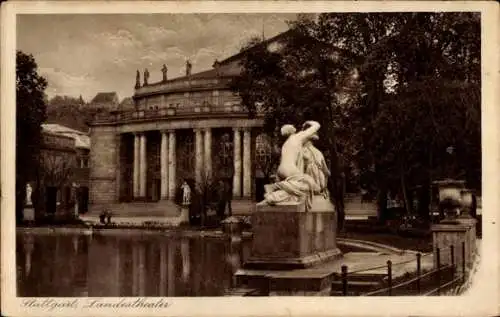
(242, 178)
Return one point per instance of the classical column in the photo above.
(164, 164)
(237, 163)
(247, 164)
(208, 153)
(199, 156)
(143, 167)
(136, 165)
(171, 164)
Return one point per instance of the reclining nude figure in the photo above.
(293, 184)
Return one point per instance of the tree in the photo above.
(300, 81)
(382, 85)
(30, 114)
(433, 62)
(70, 111)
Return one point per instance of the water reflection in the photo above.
(79, 265)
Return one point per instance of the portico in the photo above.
(190, 128)
(150, 164)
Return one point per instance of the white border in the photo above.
(481, 300)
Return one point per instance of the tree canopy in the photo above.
(392, 91)
(30, 114)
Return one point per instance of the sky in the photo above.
(87, 54)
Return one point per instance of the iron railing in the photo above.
(432, 282)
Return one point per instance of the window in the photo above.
(186, 152)
(226, 150)
(263, 151)
(83, 162)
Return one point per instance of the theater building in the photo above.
(190, 128)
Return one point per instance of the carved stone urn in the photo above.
(450, 197)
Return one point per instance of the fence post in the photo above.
(389, 276)
(463, 261)
(344, 280)
(438, 273)
(452, 254)
(419, 271)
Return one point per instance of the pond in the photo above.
(120, 265)
(124, 265)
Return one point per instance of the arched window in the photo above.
(226, 150)
(263, 152)
(186, 152)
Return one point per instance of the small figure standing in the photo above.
(189, 66)
(29, 191)
(164, 70)
(146, 77)
(186, 194)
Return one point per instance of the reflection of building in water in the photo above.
(104, 268)
(29, 245)
(139, 269)
(163, 270)
(233, 258)
(63, 176)
(82, 266)
(171, 268)
(186, 264)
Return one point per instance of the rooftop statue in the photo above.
(146, 77)
(302, 172)
(137, 79)
(189, 67)
(164, 70)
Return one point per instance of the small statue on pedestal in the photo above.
(186, 194)
(164, 70)
(302, 172)
(137, 79)
(146, 77)
(189, 66)
(29, 191)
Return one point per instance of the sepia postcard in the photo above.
(256, 158)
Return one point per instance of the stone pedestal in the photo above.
(470, 224)
(29, 213)
(446, 234)
(288, 240)
(184, 216)
(287, 237)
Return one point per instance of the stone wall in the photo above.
(103, 165)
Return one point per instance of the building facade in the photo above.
(191, 128)
(63, 177)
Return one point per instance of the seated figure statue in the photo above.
(302, 171)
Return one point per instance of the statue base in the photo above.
(293, 251)
(29, 213)
(287, 237)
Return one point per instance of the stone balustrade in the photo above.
(178, 85)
